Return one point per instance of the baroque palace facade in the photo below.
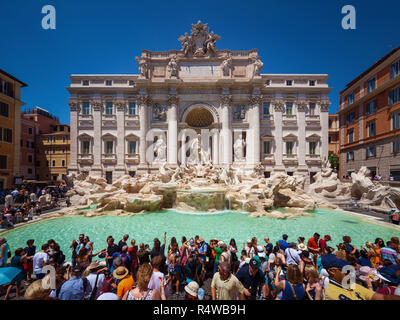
(215, 101)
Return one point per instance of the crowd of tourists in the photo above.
(289, 269)
(22, 204)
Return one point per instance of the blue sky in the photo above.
(98, 36)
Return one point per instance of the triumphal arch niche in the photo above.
(202, 90)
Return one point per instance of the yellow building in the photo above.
(54, 153)
(10, 129)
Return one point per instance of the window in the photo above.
(29, 171)
(48, 139)
(350, 135)
(37, 163)
(86, 108)
(267, 82)
(109, 108)
(85, 147)
(266, 106)
(132, 108)
(312, 83)
(330, 139)
(350, 98)
(85, 82)
(61, 128)
(4, 109)
(395, 69)
(54, 150)
(7, 135)
(30, 158)
(371, 107)
(267, 147)
(394, 96)
(351, 117)
(371, 85)
(289, 82)
(289, 147)
(371, 129)
(6, 88)
(131, 82)
(132, 147)
(108, 82)
(64, 139)
(109, 147)
(30, 131)
(54, 163)
(396, 146)
(132, 173)
(63, 163)
(313, 147)
(47, 163)
(289, 108)
(350, 155)
(312, 109)
(396, 120)
(371, 152)
(54, 139)
(3, 162)
(27, 144)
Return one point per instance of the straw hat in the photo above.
(220, 243)
(192, 288)
(366, 272)
(120, 273)
(302, 247)
(36, 291)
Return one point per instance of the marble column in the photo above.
(172, 118)
(215, 146)
(226, 132)
(278, 111)
(301, 123)
(97, 107)
(254, 126)
(121, 110)
(183, 147)
(324, 108)
(73, 161)
(143, 102)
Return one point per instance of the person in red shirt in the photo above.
(312, 244)
(132, 251)
(323, 242)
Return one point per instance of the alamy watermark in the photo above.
(349, 20)
(49, 20)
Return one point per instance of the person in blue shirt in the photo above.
(75, 288)
(364, 261)
(283, 243)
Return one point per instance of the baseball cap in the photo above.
(253, 263)
(328, 237)
(262, 255)
(260, 249)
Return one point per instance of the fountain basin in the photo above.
(200, 199)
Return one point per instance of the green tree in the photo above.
(334, 161)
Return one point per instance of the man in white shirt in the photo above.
(40, 259)
(292, 254)
(96, 271)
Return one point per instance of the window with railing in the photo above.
(371, 128)
(394, 96)
(371, 85)
(351, 116)
(370, 152)
(289, 108)
(395, 69)
(132, 108)
(109, 108)
(267, 147)
(86, 108)
(350, 98)
(370, 107)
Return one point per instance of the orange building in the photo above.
(333, 137)
(54, 153)
(10, 129)
(370, 120)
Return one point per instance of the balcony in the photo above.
(85, 158)
(313, 159)
(290, 159)
(109, 121)
(268, 120)
(109, 158)
(132, 120)
(268, 158)
(132, 158)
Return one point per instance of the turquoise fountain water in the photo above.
(224, 225)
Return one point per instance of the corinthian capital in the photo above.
(255, 100)
(302, 105)
(143, 100)
(226, 100)
(74, 106)
(279, 105)
(97, 105)
(324, 105)
(173, 100)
